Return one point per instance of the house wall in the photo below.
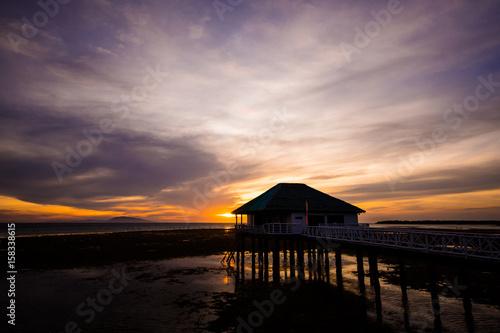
(351, 218)
(298, 218)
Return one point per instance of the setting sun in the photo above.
(226, 215)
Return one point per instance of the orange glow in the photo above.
(449, 206)
(22, 208)
(226, 215)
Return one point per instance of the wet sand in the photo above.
(67, 251)
(173, 282)
(167, 270)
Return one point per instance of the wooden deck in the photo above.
(462, 244)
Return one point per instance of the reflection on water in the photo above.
(401, 295)
(195, 294)
(177, 295)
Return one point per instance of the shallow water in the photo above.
(417, 314)
(189, 294)
(162, 296)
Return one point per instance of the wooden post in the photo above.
(372, 263)
(292, 258)
(300, 259)
(253, 257)
(310, 259)
(276, 260)
(338, 267)
(309, 255)
(361, 270)
(327, 266)
(242, 256)
(402, 281)
(436, 308)
(285, 261)
(284, 250)
(319, 249)
(261, 258)
(266, 259)
(404, 294)
(374, 281)
(465, 293)
(238, 247)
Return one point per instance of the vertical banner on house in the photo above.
(307, 214)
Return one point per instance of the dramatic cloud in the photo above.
(184, 111)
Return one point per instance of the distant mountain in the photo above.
(126, 219)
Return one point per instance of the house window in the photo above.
(315, 220)
(298, 217)
(335, 219)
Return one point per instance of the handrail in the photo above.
(466, 244)
(475, 245)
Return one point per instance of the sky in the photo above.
(180, 111)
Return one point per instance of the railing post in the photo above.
(467, 245)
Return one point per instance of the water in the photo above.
(195, 294)
(386, 306)
(175, 295)
(33, 229)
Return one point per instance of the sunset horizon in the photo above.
(181, 112)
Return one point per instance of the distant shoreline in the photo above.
(440, 222)
(35, 229)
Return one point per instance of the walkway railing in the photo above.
(464, 244)
(283, 228)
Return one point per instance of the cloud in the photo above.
(352, 121)
(446, 180)
(126, 163)
(196, 31)
(101, 50)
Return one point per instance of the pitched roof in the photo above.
(293, 197)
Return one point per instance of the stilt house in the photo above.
(298, 204)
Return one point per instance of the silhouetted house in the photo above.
(289, 203)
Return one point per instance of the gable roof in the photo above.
(293, 197)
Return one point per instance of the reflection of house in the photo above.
(286, 203)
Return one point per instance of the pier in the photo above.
(278, 253)
(294, 233)
(464, 245)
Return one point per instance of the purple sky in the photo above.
(182, 110)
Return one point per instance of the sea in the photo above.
(196, 294)
(67, 228)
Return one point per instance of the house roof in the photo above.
(293, 197)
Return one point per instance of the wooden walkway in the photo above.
(462, 244)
